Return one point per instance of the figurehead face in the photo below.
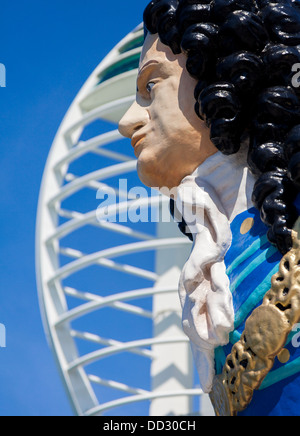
(169, 140)
(233, 62)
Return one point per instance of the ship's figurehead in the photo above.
(216, 122)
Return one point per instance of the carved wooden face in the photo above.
(169, 140)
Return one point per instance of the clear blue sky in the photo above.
(49, 48)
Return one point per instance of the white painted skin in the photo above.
(170, 141)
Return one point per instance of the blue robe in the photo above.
(251, 262)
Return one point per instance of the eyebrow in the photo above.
(147, 64)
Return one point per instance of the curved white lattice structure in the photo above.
(112, 321)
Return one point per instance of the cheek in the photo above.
(147, 169)
(175, 121)
(155, 163)
(165, 109)
(170, 127)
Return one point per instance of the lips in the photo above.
(136, 141)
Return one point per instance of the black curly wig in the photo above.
(241, 52)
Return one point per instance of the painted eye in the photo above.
(149, 86)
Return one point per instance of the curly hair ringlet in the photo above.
(241, 52)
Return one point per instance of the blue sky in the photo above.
(49, 49)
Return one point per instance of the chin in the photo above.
(148, 174)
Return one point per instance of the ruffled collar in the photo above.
(230, 178)
(208, 200)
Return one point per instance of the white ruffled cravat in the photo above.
(209, 200)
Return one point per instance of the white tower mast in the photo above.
(77, 330)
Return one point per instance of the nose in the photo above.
(135, 118)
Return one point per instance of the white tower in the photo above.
(113, 322)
